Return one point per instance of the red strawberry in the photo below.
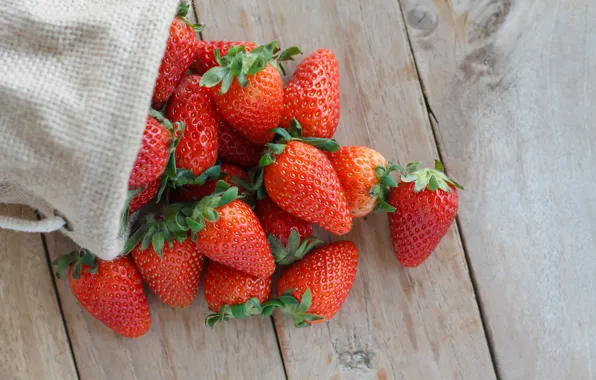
(252, 103)
(280, 223)
(112, 291)
(191, 104)
(319, 283)
(227, 288)
(205, 54)
(172, 270)
(289, 237)
(312, 95)
(145, 195)
(302, 181)
(426, 203)
(235, 148)
(179, 54)
(153, 156)
(196, 192)
(236, 239)
(364, 176)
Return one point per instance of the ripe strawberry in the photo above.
(143, 195)
(426, 203)
(179, 54)
(364, 176)
(318, 285)
(153, 156)
(233, 294)
(289, 237)
(112, 291)
(302, 181)
(205, 54)
(251, 104)
(196, 192)
(191, 104)
(280, 223)
(312, 95)
(236, 239)
(235, 148)
(173, 270)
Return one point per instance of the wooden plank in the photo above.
(34, 342)
(178, 346)
(415, 324)
(512, 85)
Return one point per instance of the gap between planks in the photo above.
(434, 122)
(58, 300)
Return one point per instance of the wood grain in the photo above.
(34, 343)
(512, 85)
(396, 324)
(178, 346)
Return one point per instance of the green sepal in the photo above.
(427, 178)
(296, 309)
(126, 210)
(295, 249)
(181, 14)
(77, 259)
(250, 308)
(287, 55)
(240, 64)
(386, 182)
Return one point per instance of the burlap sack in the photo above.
(76, 78)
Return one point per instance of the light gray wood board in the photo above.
(513, 87)
(34, 342)
(421, 323)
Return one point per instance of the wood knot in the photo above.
(422, 20)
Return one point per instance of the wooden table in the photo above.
(504, 93)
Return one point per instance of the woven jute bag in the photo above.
(76, 78)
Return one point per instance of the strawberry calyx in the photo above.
(427, 178)
(295, 249)
(296, 309)
(182, 12)
(294, 133)
(250, 308)
(178, 219)
(381, 190)
(253, 188)
(240, 64)
(78, 259)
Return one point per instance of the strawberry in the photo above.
(197, 149)
(364, 176)
(153, 156)
(179, 54)
(426, 203)
(302, 181)
(205, 54)
(112, 291)
(237, 240)
(196, 192)
(171, 270)
(233, 294)
(312, 95)
(313, 289)
(289, 237)
(252, 103)
(143, 195)
(235, 148)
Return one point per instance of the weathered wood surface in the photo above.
(33, 340)
(513, 87)
(397, 324)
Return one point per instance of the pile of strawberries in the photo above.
(234, 169)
